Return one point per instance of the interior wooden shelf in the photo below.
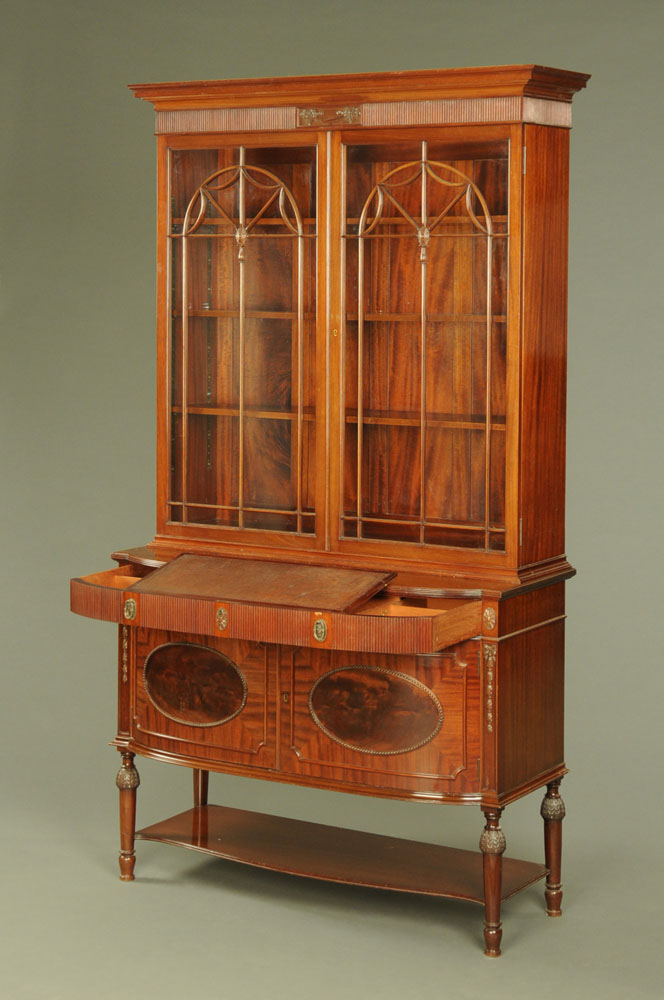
(388, 317)
(373, 517)
(336, 855)
(203, 313)
(405, 419)
(207, 410)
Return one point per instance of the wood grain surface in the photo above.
(336, 855)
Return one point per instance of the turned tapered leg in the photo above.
(553, 812)
(492, 845)
(201, 787)
(127, 781)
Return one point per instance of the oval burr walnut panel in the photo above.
(375, 710)
(195, 685)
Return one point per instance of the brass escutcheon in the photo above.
(130, 609)
(320, 630)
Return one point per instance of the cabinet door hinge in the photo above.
(520, 532)
(525, 151)
(479, 769)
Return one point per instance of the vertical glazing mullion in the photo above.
(343, 413)
(208, 354)
(185, 367)
(360, 375)
(300, 371)
(241, 334)
(423, 334)
(487, 443)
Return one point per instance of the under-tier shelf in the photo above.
(332, 854)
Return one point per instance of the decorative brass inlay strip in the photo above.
(489, 664)
(125, 654)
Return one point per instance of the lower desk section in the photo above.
(337, 855)
(406, 725)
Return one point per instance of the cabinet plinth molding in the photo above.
(357, 577)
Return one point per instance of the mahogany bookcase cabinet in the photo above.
(358, 573)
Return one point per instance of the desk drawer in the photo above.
(380, 625)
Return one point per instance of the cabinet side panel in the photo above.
(545, 222)
(530, 703)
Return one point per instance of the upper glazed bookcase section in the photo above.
(530, 93)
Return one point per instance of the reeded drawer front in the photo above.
(204, 697)
(406, 723)
(201, 595)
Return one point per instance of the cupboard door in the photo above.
(204, 698)
(242, 233)
(405, 724)
(424, 237)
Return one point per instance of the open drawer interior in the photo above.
(283, 603)
(119, 578)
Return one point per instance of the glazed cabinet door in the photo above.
(424, 247)
(241, 400)
(405, 724)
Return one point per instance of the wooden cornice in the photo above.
(493, 81)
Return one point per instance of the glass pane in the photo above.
(243, 337)
(425, 242)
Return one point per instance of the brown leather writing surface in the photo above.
(262, 582)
